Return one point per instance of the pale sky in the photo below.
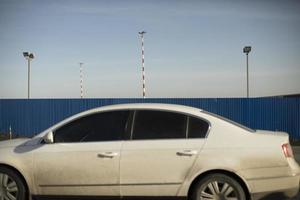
(192, 48)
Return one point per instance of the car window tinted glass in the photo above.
(106, 126)
(197, 128)
(159, 125)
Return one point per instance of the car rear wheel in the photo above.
(11, 185)
(218, 187)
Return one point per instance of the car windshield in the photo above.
(229, 121)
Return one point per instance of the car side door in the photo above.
(84, 158)
(159, 154)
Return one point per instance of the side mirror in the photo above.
(48, 138)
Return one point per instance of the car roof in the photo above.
(158, 106)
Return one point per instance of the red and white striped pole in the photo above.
(143, 64)
(81, 80)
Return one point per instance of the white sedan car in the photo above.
(148, 150)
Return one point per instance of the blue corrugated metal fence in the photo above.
(29, 117)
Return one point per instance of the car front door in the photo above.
(84, 158)
(159, 155)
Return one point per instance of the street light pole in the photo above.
(28, 85)
(247, 50)
(81, 79)
(28, 56)
(10, 133)
(143, 63)
(247, 75)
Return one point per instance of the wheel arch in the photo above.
(219, 171)
(19, 174)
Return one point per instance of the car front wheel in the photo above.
(218, 187)
(11, 186)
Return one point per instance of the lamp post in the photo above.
(28, 56)
(10, 133)
(143, 63)
(81, 79)
(247, 50)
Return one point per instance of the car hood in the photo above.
(13, 143)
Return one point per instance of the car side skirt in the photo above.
(53, 197)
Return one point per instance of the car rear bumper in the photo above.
(278, 187)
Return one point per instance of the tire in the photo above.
(218, 187)
(11, 185)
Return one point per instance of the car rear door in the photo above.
(158, 156)
(85, 157)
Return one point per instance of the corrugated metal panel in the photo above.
(29, 117)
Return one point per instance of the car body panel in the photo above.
(148, 164)
(76, 168)
(15, 154)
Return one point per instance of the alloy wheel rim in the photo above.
(8, 188)
(217, 190)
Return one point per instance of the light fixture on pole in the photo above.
(28, 56)
(247, 50)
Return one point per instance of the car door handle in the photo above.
(107, 154)
(187, 153)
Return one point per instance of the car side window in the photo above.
(106, 126)
(197, 128)
(150, 124)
